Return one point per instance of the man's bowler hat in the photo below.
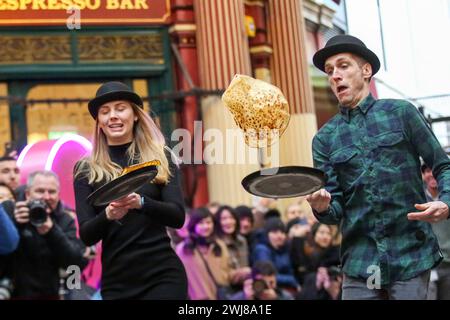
(111, 91)
(345, 43)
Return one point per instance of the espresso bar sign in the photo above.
(89, 12)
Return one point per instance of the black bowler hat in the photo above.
(345, 43)
(111, 91)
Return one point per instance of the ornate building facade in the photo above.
(180, 55)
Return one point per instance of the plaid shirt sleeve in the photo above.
(322, 162)
(429, 148)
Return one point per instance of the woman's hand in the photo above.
(115, 213)
(131, 201)
(117, 209)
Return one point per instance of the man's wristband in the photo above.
(320, 213)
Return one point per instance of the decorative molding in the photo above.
(264, 49)
(318, 13)
(181, 27)
(37, 49)
(259, 3)
(117, 48)
(184, 35)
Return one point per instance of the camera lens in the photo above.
(38, 212)
(259, 286)
(333, 272)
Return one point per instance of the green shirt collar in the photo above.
(364, 106)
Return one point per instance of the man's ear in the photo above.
(367, 71)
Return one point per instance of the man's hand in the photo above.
(434, 211)
(248, 289)
(268, 294)
(322, 278)
(319, 200)
(243, 273)
(299, 231)
(46, 227)
(334, 288)
(21, 212)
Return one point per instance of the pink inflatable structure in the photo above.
(58, 156)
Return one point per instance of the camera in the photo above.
(333, 272)
(38, 212)
(259, 285)
(6, 287)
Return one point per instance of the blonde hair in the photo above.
(148, 144)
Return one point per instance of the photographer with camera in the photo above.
(275, 247)
(47, 239)
(314, 250)
(262, 285)
(325, 284)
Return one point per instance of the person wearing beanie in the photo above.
(370, 153)
(275, 248)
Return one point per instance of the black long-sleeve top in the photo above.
(136, 254)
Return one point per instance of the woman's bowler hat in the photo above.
(111, 91)
(345, 43)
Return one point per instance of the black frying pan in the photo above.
(284, 182)
(125, 184)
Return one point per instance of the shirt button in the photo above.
(420, 235)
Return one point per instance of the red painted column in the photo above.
(183, 33)
(260, 48)
(223, 51)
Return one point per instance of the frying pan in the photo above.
(131, 180)
(284, 182)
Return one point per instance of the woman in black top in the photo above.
(138, 261)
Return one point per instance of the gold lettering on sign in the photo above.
(14, 5)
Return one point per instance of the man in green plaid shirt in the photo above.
(371, 152)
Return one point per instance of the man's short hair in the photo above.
(245, 212)
(7, 158)
(423, 167)
(45, 173)
(361, 62)
(263, 268)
